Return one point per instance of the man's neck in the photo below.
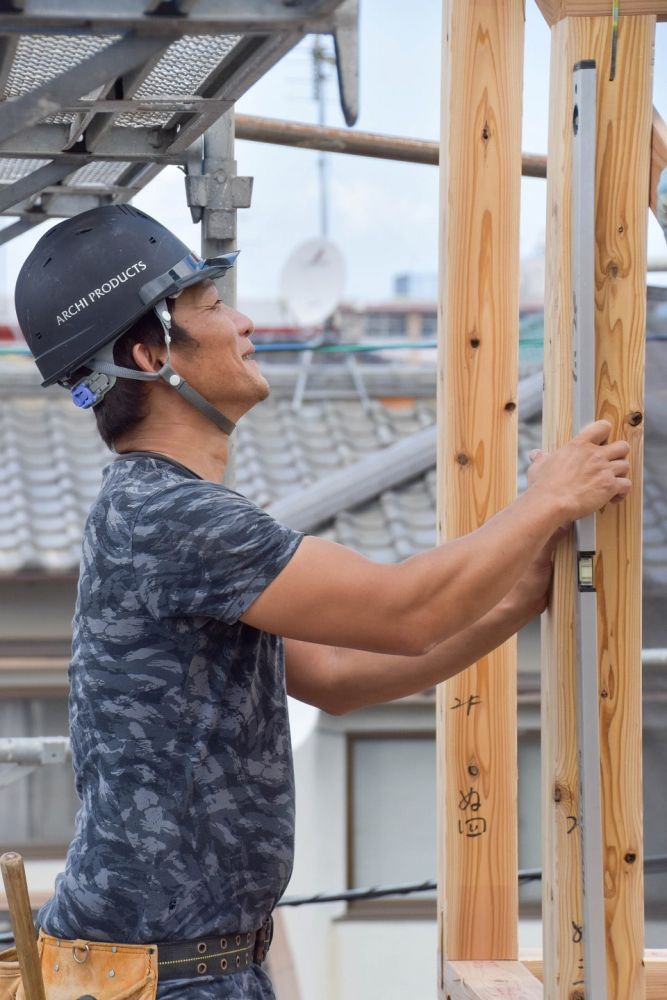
(203, 451)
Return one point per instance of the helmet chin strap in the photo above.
(104, 363)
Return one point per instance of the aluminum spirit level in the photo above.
(583, 371)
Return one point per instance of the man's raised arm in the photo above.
(328, 594)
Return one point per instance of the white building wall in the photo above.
(337, 957)
(320, 860)
(385, 960)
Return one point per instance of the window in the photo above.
(384, 325)
(392, 836)
(392, 820)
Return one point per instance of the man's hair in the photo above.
(125, 406)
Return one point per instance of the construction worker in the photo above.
(196, 611)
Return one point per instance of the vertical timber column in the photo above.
(622, 168)
(480, 164)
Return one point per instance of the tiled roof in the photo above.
(52, 459)
(51, 463)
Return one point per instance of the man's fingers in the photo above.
(597, 432)
(623, 487)
(621, 467)
(616, 449)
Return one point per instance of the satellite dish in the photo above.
(312, 281)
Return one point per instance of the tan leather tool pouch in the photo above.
(10, 977)
(74, 969)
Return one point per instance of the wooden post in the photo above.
(556, 10)
(655, 965)
(480, 163)
(20, 915)
(491, 981)
(623, 161)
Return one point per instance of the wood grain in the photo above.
(20, 915)
(556, 10)
(492, 981)
(623, 150)
(477, 452)
(655, 964)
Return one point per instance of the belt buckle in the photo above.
(263, 940)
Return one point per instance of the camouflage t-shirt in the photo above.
(178, 720)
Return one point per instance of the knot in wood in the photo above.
(612, 269)
(475, 342)
(630, 858)
(635, 418)
(558, 793)
(473, 770)
(462, 458)
(486, 132)
(510, 407)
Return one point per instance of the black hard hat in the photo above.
(92, 276)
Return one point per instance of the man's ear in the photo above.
(147, 358)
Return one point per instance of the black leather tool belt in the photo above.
(213, 956)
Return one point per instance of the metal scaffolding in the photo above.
(98, 98)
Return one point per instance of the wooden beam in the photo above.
(655, 964)
(623, 152)
(491, 981)
(480, 166)
(523, 980)
(556, 10)
(658, 156)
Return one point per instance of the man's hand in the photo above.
(586, 473)
(327, 594)
(530, 595)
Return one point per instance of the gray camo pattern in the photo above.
(178, 721)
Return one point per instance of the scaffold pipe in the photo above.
(340, 140)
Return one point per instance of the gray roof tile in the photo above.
(52, 458)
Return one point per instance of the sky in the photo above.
(384, 215)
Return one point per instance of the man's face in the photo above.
(220, 364)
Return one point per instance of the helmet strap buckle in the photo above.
(91, 389)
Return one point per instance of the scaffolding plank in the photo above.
(623, 150)
(205, 16)
(32, 183)
(97, 82)
(96, 124)
(480, 167)
(249, 60)
(22, 112)
(8, 45)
